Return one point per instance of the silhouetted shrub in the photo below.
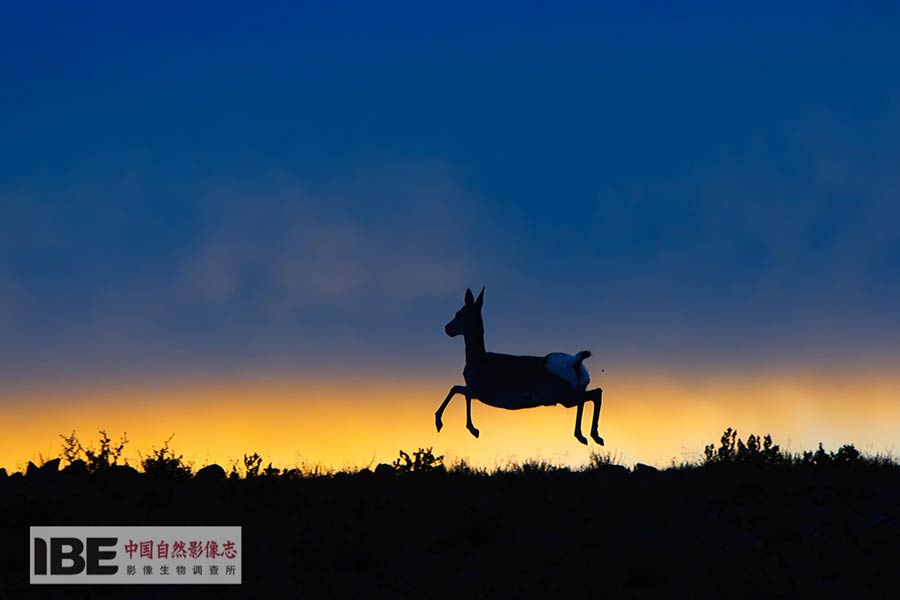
(733, 450)
(251, 465)
(819, 458)
(95, 460)
(422, 461)
(726, 450)
(71, 448)
(846, 455)
(163, 462)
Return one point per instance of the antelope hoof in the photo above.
(438, 423)
(580, 437)
(597, 438)
(472, 430)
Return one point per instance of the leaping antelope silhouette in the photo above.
(515, 382)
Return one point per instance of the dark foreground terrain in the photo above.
(716, 531)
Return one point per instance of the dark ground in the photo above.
(695, 533)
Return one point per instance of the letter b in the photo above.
(57, 555)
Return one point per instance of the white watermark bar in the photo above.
(135, 555)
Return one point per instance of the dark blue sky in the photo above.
(228, 187)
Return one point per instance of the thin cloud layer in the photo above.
(273, 269)
(389, 238)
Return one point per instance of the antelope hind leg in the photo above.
(578, 435)
(597, 397)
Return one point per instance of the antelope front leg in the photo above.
(469, 425)
(578, 435)
(456, 389)
(597, 397)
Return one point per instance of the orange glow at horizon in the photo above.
(651, 418)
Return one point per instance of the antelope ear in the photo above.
(480, 300)
(470, 299)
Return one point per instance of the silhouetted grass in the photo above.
(747, 520)
(732, 452)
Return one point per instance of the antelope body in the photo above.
(515, 382)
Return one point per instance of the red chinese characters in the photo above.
(195, 548)
(179, 549)
(147, 549)
(229, 550)
(131, 548)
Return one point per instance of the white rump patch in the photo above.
(563, 366)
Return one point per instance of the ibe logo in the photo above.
(67, 556)
(116, 555)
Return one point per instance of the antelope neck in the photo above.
(474, 347)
